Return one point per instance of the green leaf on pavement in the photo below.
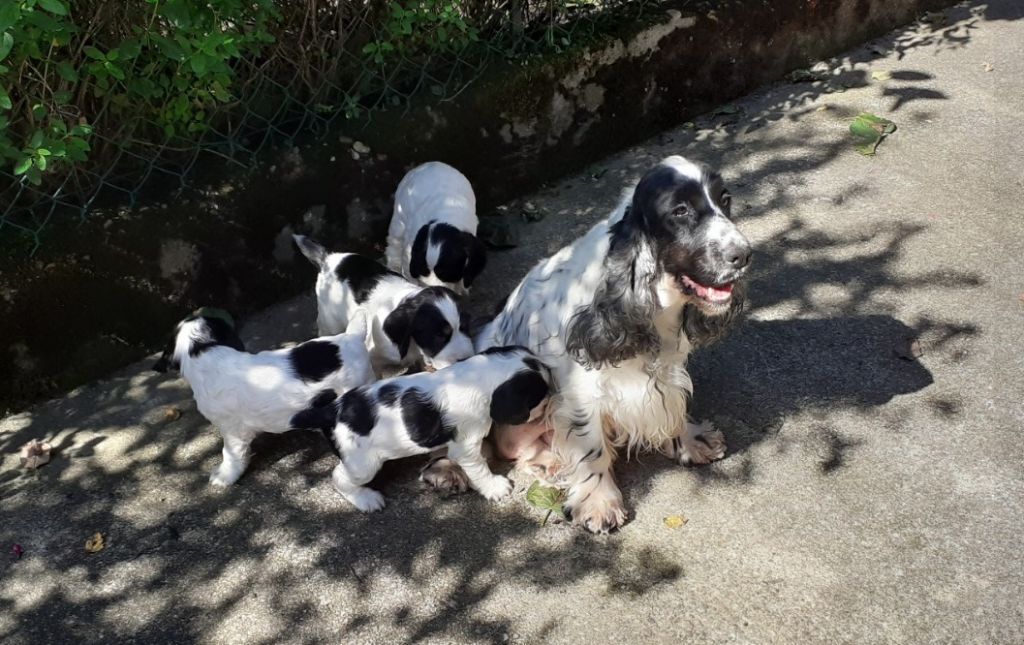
(869, 130)
(546, 498)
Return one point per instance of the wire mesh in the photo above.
(324, 72)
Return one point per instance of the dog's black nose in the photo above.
(738, 255)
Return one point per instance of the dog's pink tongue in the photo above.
(719, 293)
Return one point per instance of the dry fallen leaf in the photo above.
(881, 75)
(909, 349)
(35, 453)
(171, 413)
(987, 66)
(674, 521)
(95, 543)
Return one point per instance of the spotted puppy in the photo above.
(413, 415)
(409, 323)
(245, 394)
(432, 238)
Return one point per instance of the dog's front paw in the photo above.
(496, 487)
(445, 475)
(366, 499)
(700, 443)
(598, 510)
(224, 477)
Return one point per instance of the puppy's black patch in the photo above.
(418, 254)
(321, 414)
(513, 400)
(417, 318)
(431, 330)
(362, 275)
(325, 402)
(388, 393)
(313, 360)
(424, 421)
(358, 411)
(451, 258)
(476, 258)
(533, 364)
(505, 349)
(219, 333)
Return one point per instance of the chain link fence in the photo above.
(330, 67)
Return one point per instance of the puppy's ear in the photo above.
(398, 325)
(619, 323)
(321, 414)
(167, 361)
(314, 252)
(476, 258)
(702, 330)
(513, 400)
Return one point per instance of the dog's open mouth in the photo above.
(716, 295)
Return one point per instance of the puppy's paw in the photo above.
(445, 475)
(224, 477)
(599, 509)
(496, 487)
(365, 499)
(699, 444)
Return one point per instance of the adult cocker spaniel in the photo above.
(615, 314)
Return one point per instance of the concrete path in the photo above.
(866, 498)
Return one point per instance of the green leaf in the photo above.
(36, 140)
(40, 162)
(34, 176)
(5, 99)
(869, 130)
(22, 166)
(6, 43)
(544, 497)
(94, 53)
(198, 63)
(67, 71)
(114, 71)
(54, 6)
(10, 12)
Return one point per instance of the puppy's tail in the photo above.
(321, 414)
(359, 325)
(314, 252)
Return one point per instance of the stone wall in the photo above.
(104, 293)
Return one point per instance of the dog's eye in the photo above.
(725, 199)
(681, 211)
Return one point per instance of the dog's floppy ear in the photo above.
(476, 258)
(398, 325)
(167, 360)
(701, 329)
(619, 323)
(321, 414)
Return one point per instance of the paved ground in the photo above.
(866, 498)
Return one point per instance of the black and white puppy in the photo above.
(409, 323)
(245, 394)
(432, 238)
(415, 414)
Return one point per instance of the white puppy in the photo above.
(245, 394)
(415, 414)
(409, 323)
(432, 238)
